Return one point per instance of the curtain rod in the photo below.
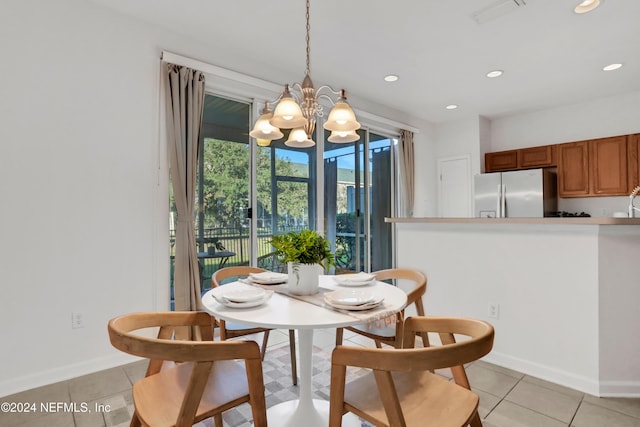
(263, 84)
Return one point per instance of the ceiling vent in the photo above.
(496, 10)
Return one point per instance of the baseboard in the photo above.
(547, 373)
(620, 389)
(63, 373)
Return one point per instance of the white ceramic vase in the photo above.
(303, 278)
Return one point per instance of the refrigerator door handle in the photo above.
(499, 202)
(503, 201)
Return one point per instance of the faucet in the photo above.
(633, 209)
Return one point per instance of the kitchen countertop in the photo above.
(546, 220)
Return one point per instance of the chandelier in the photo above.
(298, 112)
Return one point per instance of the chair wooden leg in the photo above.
(292, 352)
(217, 419)
(135, 421)
(378, 344)
(475, 421)
(339, 335)
(264, 343)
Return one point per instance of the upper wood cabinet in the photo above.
(594, 168)
(501, 161)
(537, 157)
(608, 166)
(633, 161)
(573, 169)
(523, 158)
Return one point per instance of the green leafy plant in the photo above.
(304, 246)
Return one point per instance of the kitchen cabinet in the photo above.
(573, 169)
(536, 157)
(608, 166)
(597, 167)
(633, 160)
(501, 161)
(523, 158)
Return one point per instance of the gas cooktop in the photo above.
(569, 214)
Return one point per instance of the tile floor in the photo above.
(507, 398)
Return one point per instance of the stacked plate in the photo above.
(268, 278)
(357, 279)
(241, 296)
(353, 299)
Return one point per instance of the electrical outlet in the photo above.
(77, 320)
(494, 310)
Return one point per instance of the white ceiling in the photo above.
(550, 55)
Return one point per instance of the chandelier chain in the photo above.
(308, 71)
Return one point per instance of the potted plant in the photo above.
(304, 252)
(214, 244)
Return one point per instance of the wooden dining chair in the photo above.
(234, 330)
(206, 379)
(408, 393)
(391, 334)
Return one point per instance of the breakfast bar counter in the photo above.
(562, 293)
(546, 220)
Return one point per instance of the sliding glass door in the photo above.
(359, 183)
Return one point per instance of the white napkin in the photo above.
(268, 277)
(355, 278)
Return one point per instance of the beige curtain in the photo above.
(407, 171)
(184, 93)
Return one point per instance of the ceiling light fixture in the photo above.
(451, 107)
(611, 67)
(391, 78)
(495, 73)
(586, 6)
(300, 116)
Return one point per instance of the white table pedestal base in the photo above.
(305, 411)
(291, 414)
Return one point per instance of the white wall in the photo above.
(78, 159)
(616, 115)
(83, 179)
(459, 138)
(426, 192)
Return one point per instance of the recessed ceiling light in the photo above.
(451, 107)
(391, 78)
(494, 73)
(586, 6)
(611, 67)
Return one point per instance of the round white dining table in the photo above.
(285, 312)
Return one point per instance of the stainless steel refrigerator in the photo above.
(525, 193)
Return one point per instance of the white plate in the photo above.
(243, 295)
(350, 297)
(248, 304)
(268, 278)
(358, 279)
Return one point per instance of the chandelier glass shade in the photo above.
(298, 138)
(343, 137)
(299, 113)
(263, 130)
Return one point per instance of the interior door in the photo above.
(454, 187)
